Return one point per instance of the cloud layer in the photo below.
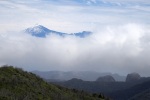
(119, 43)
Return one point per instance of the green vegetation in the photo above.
(16, 84)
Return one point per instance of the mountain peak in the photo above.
(132, 77)
(42, 32)
(38, 28)
(38, 31)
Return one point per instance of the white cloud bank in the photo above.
(120, 42)
(118, 49)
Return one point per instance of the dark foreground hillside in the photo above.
(16, 84)
(137, 92)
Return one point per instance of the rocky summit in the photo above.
(132, 77)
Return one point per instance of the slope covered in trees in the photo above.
(16, 84)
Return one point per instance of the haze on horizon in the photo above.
(120, 42)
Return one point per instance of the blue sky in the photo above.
(119, 44)
(85, 14)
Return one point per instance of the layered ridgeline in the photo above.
(42, 32)
(134, 88)
(84, 75)
(16, 84)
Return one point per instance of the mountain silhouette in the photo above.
(42, 32)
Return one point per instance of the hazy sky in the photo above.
(120, 42)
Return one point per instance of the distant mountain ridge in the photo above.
(84, 75)
(41, 31)
(107, 78)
